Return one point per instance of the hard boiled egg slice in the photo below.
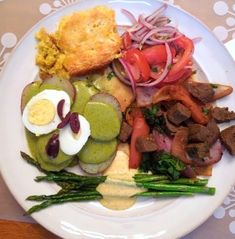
(40, 113)
(71, 143)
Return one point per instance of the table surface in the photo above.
(17, 17)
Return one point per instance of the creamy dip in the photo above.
(119, 187)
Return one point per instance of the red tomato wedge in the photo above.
(137, 59)
(140, 128)
(157, 54)
(126, 40)
(187, 44)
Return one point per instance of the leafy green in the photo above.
(162, 163)
(154, 120)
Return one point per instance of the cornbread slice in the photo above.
(88, 39)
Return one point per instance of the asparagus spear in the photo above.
(150, 178)
(61, 196)
(75, 178)
(50, 202)
(164, 194)
(83, 188)
(178, 188)
(31, 161)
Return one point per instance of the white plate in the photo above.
(147, 219)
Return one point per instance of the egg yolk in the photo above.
(42, 112)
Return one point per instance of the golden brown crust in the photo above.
(89, 40)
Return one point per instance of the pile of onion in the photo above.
(146, 32)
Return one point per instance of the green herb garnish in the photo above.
(169, 66)
(154, 69)
(205, 111)
(214, 86)
(110, 75)
(162, 163)
(154, 120)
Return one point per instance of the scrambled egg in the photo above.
(49, 58)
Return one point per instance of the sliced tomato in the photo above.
(137, 59)
(140, 128)
(157, 54)
(126, 40)
(179, 76)
(186, 44)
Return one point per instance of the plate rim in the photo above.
(21, 41)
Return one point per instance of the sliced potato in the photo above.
(28, 92)
(103, 119)
(66, 85)
(115, 87)
(95, 152)
(108, 99)
(96, 168)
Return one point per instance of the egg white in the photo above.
(71, 143)
(54, 96)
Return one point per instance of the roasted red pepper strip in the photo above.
(140, 128)
(178, 92)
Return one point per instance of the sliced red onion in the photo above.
(53, 146)
(158, 41)
(161, 21)
(144, 95)
(124, 27)
(149, 34)
(60, 107)
(119, 74)
(135, 28)
(129, 74)
(145, 23)
(196, 39)
(188, 172)
(64, 121)
(216, 152)
(156, 13)
(134, 37)
(164, 142)
(129, 15)
(165, 71)
(74, 122)
(142, 32)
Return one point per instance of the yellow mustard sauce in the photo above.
(119, 187)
